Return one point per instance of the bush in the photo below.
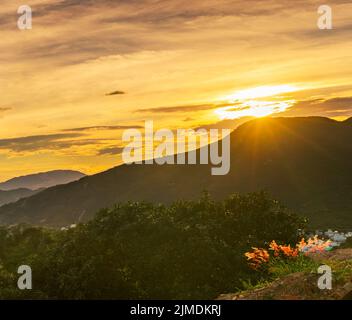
(188, 250)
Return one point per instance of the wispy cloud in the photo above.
(115, 93)
(183, 109)
(31, 143)
(97, 128)
(46, 142)
(333, 107)
(110, 151)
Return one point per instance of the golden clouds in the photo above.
(72, 68)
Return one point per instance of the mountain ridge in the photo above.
(303, 162)
(41, 180)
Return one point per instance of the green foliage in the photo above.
(247, 285)
(341, 269)
(188, 250)
(279, 267)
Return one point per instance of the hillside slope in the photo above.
(304, 162)
(14, 195)
(41, 180)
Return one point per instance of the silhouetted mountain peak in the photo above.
(42, 180)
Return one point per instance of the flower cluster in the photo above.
(258, 257)
(314, 245)
(280, 250)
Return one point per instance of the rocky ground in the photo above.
(303, 286)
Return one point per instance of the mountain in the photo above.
(14, 195)
(348, 121)
(41, 180)
(303, 162)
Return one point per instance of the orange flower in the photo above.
(294, 253)
(301, 244)
(257, 257)
(250, 255)
(286, 250)
(274, 246)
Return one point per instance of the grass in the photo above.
(306, 270)
(282, 267)
(248, 285)
(341, 269)
(278, 268)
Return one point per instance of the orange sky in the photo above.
(183, 64)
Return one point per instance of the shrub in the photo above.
(187, 250)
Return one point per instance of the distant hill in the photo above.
(304, 162)
(41, 180)
(348, 121)
(14, 195)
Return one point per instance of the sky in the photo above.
(88, 70)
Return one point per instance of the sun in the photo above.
(249, 102)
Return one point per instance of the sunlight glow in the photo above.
(248, 103)
(261, 92)
(253, 109)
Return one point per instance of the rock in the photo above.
(348, 286)
(348, 296)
